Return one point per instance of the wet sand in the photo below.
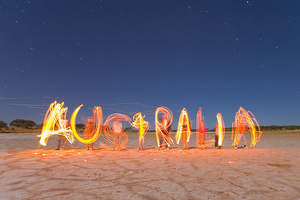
(268, 171)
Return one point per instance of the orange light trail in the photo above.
(162, 127)
(98, 119)
(221, 127)
(140, 123)
(53, 119)
(184, 119)
(200, 118)
(200, 125)
(110, 136)
(245, 120)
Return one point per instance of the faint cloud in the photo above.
(10, 98)
(52, 98)
(118, 104)
(30, 105)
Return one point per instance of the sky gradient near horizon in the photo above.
(134, 56)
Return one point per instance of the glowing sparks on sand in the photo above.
(221, 127)
(140, 123)
(245, 121)
(162, 126)
(98, 119)
(184, 127)
(114, 135)
(54, 117)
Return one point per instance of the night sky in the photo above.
(133, 56)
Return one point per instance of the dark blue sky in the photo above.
(133, 56)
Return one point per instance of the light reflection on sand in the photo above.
(269, 171)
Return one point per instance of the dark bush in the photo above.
(23, 123)
(80, 126)
(3, 124)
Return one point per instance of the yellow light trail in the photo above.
(161, 127)
(140, 124)
(98, 119)
(53, 124)
(245, 120)
(111, 139)
(221, 127)
(184, 120)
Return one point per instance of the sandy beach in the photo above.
(268, 171)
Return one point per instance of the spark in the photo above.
(221, 127)
(162, 126)
(98, 117)
(184, 120)
(53, 118)
(112, 138)
(140, 123)
(205, 141)
(245, 120)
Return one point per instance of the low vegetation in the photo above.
(29, 126)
